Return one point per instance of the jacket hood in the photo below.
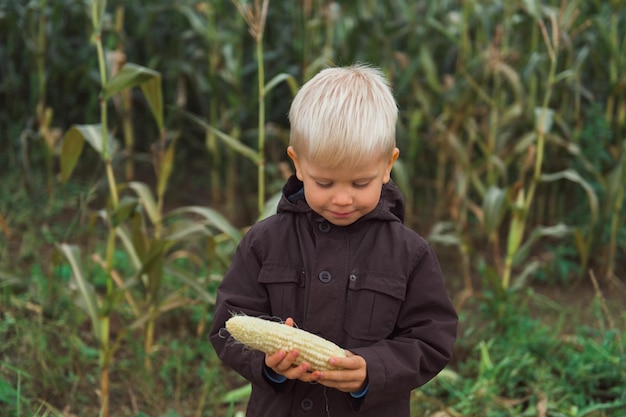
(390, 207)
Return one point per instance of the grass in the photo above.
(481, 164)
(512, 365)
(54, 364)
(524, 366)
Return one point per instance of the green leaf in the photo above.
(511, 75)
(544, 118)
(98, 8)
(93, 135)
(574, 176)
(445, 233)
(140, 242)
(212, 217)
(152, 267)
(196, 22)
(238, 394)
(129, 76)
(524, 142)
(290, 79)
(485, 363)
(233, 143)
(132, 75)
(430, 69)
(400, 175)
(494, 207)
(557, 231)
(532, 8)
(72, 147)
(517, 225)
(191, 281)
(563, 75)
(171, 302)
(529, 269)
(184, 230)
(154, 96)
(510, 114)
(165, 167)
(615, 181)
(85, 289)
(129, 246)
(124, 210)
(146, 199)
(270, 206)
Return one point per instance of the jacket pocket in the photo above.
(285, 289)
(374, 300)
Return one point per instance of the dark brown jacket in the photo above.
(373, 287)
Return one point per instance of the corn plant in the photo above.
(255, 17)
(471, 79)
(40, 132)
(218, 50)
(122, 100)
(495, 138)
(147, 245)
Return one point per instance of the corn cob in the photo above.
(269, 337)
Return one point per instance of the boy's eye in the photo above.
(324, 184)
(361, 184)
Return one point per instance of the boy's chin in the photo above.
(342, 221)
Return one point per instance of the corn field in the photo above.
(141, 139)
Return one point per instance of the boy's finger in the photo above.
(281, 358)
(297, 372)
(351, 362)
(275, 358)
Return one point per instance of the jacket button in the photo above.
(306, 404)
(325, 277)
(353, 277)
(324, 227)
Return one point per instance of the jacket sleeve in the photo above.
(421, 344)
(240, 292)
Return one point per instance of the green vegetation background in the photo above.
(112, 240)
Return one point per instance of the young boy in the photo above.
(337, 260)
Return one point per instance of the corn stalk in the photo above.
(256, 17)
(98, 137)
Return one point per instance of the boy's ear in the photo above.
(392, 160)
(292, 154)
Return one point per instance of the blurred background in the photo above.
(139, 141)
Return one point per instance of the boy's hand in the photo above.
(282, 363)
(351, 378)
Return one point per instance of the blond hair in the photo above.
(344, 115)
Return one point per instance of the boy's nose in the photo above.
(342, 198)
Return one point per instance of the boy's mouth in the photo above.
(342, 215)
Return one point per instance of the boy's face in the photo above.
(343, 195)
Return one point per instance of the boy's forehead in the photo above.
(366, 168)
